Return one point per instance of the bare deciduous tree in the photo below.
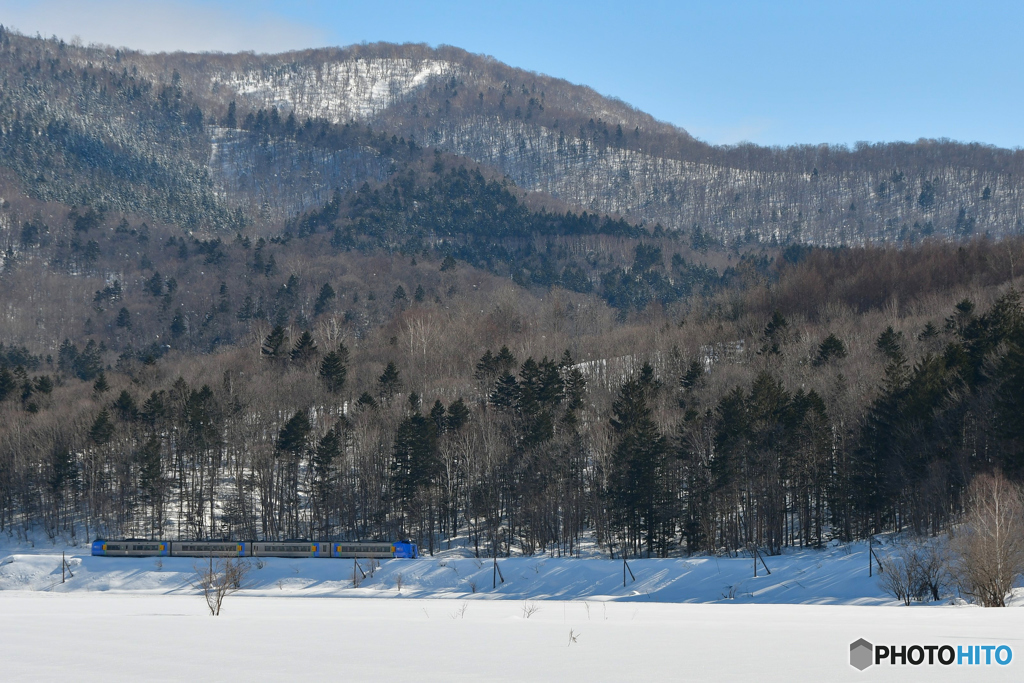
(220, 578)
(990, 543)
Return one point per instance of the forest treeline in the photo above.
(303, 387)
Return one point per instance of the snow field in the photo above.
(87, 636)
(837, 575)
(553, 619)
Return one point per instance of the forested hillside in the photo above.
(390, 291)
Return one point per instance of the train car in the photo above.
(374, 550)
(131, 548)
(290, 549)
(210, 548)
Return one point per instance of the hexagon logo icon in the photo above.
(861, 652)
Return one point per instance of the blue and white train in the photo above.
(342, 549)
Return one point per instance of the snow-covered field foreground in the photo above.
(702, 618)
(89, 636)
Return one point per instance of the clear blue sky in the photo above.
(768, 72)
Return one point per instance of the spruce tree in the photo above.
(305, 349)
(276, 343)
(637, 486)
(124, 319)
(831, 348)
(8, 385)
(334, 369)
(102, 428)
(390, 381)
(324, 299)
(293, 435)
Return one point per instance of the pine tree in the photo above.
(294, 434)
(151, 471)
(776, 334)
(102, 428)
(324, 299)
(637, 486)
(831, 348)
(505, 361)
(155, 284)
(366, 401)
(458, 416)
(390, 381)
(276, 343)
(124, 319)
(486, 367)
(506, 393)
(334, 369)
(124, 406)
(8, 385)
(305, 349)
(889, 343)
(100, 386)
(178, 327)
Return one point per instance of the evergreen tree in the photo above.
(486, 367)
(334, 369)
(324, 299)
(102, 429)
(505, 361)
(100, 386)
(305, 349)
(414, 463)
(124, 406)
(776, 334)
(275, 345)
(390, 382)
(294, 434)
(890, 344)
(178, 327)
(638, 490)
(366, 400)
(506, 393)
(151, 470)
(458, 416)
(831, 348)
(124, 319)
(8, 385)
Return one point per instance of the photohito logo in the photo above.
(863, 654)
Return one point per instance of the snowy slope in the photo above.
(335, 91)
(837, 576)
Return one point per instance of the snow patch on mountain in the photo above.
(336, 91)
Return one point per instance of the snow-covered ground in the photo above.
(85, 636)
(835, 576)
(122, 619)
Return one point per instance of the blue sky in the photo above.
(769, 72)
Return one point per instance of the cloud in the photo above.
(164, 26)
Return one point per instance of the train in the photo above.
(340, 549)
